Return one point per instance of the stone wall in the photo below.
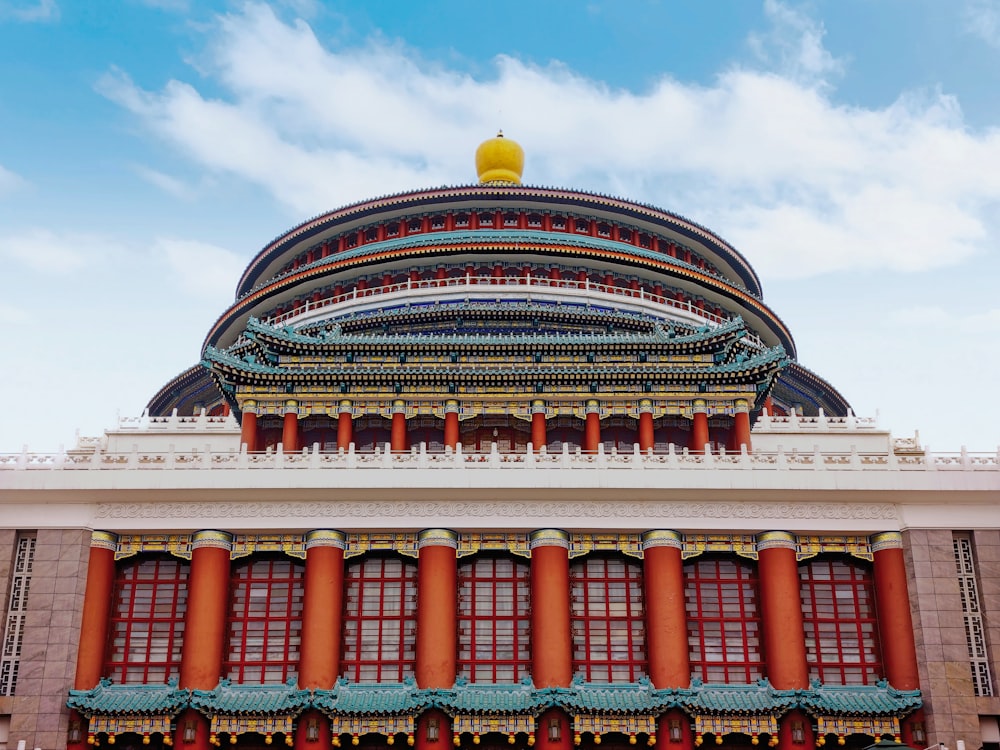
(52, 632)
(951, 706)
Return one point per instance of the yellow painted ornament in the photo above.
(499, 160)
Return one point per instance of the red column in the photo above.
(673, 731)
(781, 611)
(248, 426)
(433, 731)
(204, 627)
(539, 439)
(699, 426)
(437, 608)
(592, 427)
(451, 423)
(345, 425)
(666, 618)
(322, 609)
(96, 610)
(397, 435)
(646, 435)
(290, 428)
(741, 425)
(892, 603)
(552, 648)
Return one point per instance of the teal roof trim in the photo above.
(730, 330)
(530, 238)
(107, 698)
(860, 700)
(757, 698)
(251, 699)
(364, 699)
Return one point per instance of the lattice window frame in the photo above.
(277, 625)
(851, 619)
(972, 614)
(494, 619)
(709, 584)
(149, 591)
(17, 611)
(594, 587)
(365, 610)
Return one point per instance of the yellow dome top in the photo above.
(499, 160)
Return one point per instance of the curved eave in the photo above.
(811, 385)
(230, 323)
(402, 204)
(193, 381)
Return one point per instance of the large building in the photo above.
(503, 466)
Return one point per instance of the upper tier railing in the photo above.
(476, 284)
(420, 458)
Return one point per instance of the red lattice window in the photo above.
(147, 620)
(380, 620)
(609, 643)
(494, 624)
(265, 620)
(723, 618)
(838, 606)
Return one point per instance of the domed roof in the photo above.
(499, 160)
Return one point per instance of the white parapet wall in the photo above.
(822, 433)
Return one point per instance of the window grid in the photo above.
(979, 663)
(607, 623)
(17, 608)
(721, 600)
(147, 620)
(838, 606)
(494, 620)
(380, 616)
(265, 621)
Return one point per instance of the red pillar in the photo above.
(248, 427)
(305, 723)
(322, 609)
(204, 627)
(345, 425)
(892, 603)
(96, 610)
(552, 648)
(433, 731)
(741, 425)
(539, 439)
(290, 428)
(592, 427)
(781, 611)
(451, 423)
(666, 618)
(699, 426)
(674, 732)
(437, 608)
(646, 435)
(397, 434)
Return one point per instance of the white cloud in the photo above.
(982, 19)
(166, 183)
(57, 253)
(200, 269)
(12, 314)
(801, 184)
(794, 45)
(41, 11)
(9, 181)
(939, 318)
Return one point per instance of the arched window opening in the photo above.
(265, 620)
(147, 620)
(838, 609)
(609, 643)
(494, 619)
(722, 602)
(380, 619)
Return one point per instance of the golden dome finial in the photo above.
(499, 160)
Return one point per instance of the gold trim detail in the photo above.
(743, 545)
(626, 544)
(515, 544)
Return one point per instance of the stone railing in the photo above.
(420, 458)
(794, 423)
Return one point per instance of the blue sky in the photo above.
(849, 148)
